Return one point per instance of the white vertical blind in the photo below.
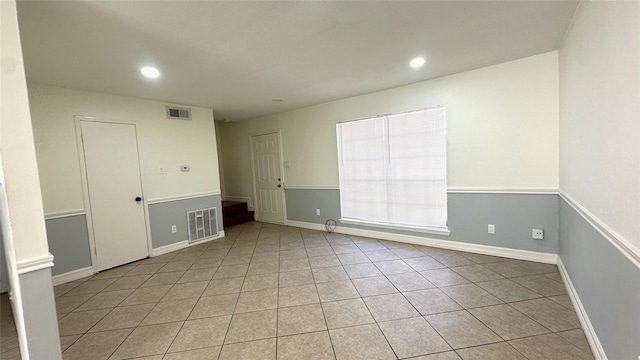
(393, 169)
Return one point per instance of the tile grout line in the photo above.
(88, 330)
(224, 340)
(150, 311)
(253, 239)
(277, 289)
(424, 316)
(379, 328)
(324, 316)
(190, 312)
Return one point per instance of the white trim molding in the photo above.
(35, 263)
(451, 190)
(473, 190)
(623, 245)
(72, 275)
(589, 331)
(313, 187)
(183, 244)
(527, 255)
(63, 214)
(435, 231)
(181, 197)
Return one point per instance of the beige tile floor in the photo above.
(267, 292)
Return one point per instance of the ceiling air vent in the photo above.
(178, 113)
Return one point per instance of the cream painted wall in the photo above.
(600, 114)
(220, 158)
(162, 142)
(24, 236)
(26, 231)
(502, 124)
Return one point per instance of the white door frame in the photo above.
(85, 184)
(253, 173)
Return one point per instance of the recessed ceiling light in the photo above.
(150, 72)
(417, 62)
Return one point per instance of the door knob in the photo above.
(138, 198)
(279, 185)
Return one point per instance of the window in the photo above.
(393, 170)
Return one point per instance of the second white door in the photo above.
(267, 178)
(115, 193)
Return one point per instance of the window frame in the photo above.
(438, 230)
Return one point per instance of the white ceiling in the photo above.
(235, 57)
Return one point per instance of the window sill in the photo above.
(425, 230)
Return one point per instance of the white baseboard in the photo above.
(443, 244)
(589, 331)
(169, 248)
(493, 190)
(88, 271)
(183, 244)
(72, 275)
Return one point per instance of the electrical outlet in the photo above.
(161, 170)
(174, 229)
(537, 234)
(318, 212)
(491, 229)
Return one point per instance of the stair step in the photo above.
(234, 207)
(238, 218)
(235, 212)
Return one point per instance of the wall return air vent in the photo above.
(178, 113)
(202, 224)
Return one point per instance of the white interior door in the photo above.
(113, 178)
(267, 178)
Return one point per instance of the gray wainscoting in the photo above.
(607, 283)
(165, 214)
(514, 216)
(4, 274)
(68, 239)
(41, 321)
